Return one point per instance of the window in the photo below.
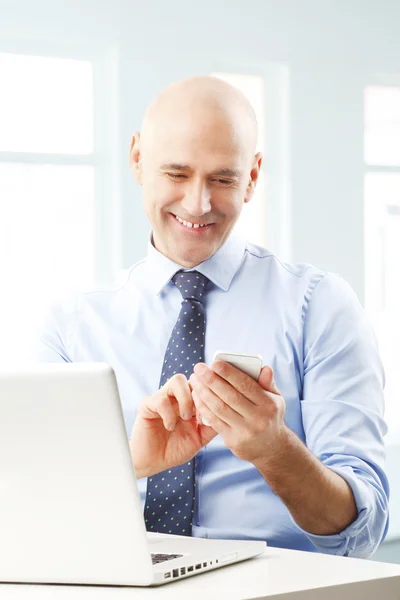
(382, 233)
(47, 190)
(253, 219)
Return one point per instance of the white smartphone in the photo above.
(250, 364)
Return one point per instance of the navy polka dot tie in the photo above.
(170, 494)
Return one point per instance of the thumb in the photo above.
(266, 380)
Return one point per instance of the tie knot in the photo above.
(191, 284)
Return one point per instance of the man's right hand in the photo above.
(166, 432)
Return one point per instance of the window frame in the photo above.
(392, 80)
(103, 158)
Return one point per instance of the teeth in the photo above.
(188, 224)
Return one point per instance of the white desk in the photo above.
(281, 574)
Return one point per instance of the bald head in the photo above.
(206, 101)
(195, 158)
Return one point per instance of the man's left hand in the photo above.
(248, 415)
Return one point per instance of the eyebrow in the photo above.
(227, 173)
(175, 167)
(218, 173)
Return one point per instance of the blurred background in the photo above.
(324, 79)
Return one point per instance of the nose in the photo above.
(197, 200)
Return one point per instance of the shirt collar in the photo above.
(219, 268)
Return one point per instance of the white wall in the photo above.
(332, 48)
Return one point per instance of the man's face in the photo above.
(196, 172)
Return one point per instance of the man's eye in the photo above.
(224, 181)
(176, 175)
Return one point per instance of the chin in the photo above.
(189, 263)
(193, 260)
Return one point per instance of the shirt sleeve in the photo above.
(342, 410)
(52, 340)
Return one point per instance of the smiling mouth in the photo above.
(190, 225)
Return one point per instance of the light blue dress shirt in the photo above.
(307, 324)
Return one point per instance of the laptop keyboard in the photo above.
(158, 558)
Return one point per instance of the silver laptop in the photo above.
(70, 509)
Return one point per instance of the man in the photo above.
(295, 458)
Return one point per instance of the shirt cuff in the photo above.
(355, 540)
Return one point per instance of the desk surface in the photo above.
(281, 574)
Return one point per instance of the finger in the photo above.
(206, 433)
(178, 388)
(243, 383)
(194, 411)
(214, 422)
(164, 407)
(266, 380)
(217, 405)
(238, 402)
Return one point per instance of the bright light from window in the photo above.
(46, 105)
(382, 253)
(46, 244)
(382, 235)
(47, 211)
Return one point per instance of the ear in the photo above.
(135, 158)
(254, 174)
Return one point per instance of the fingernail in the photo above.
(187, 416)
(200, 369)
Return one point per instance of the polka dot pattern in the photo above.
(170, 494)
